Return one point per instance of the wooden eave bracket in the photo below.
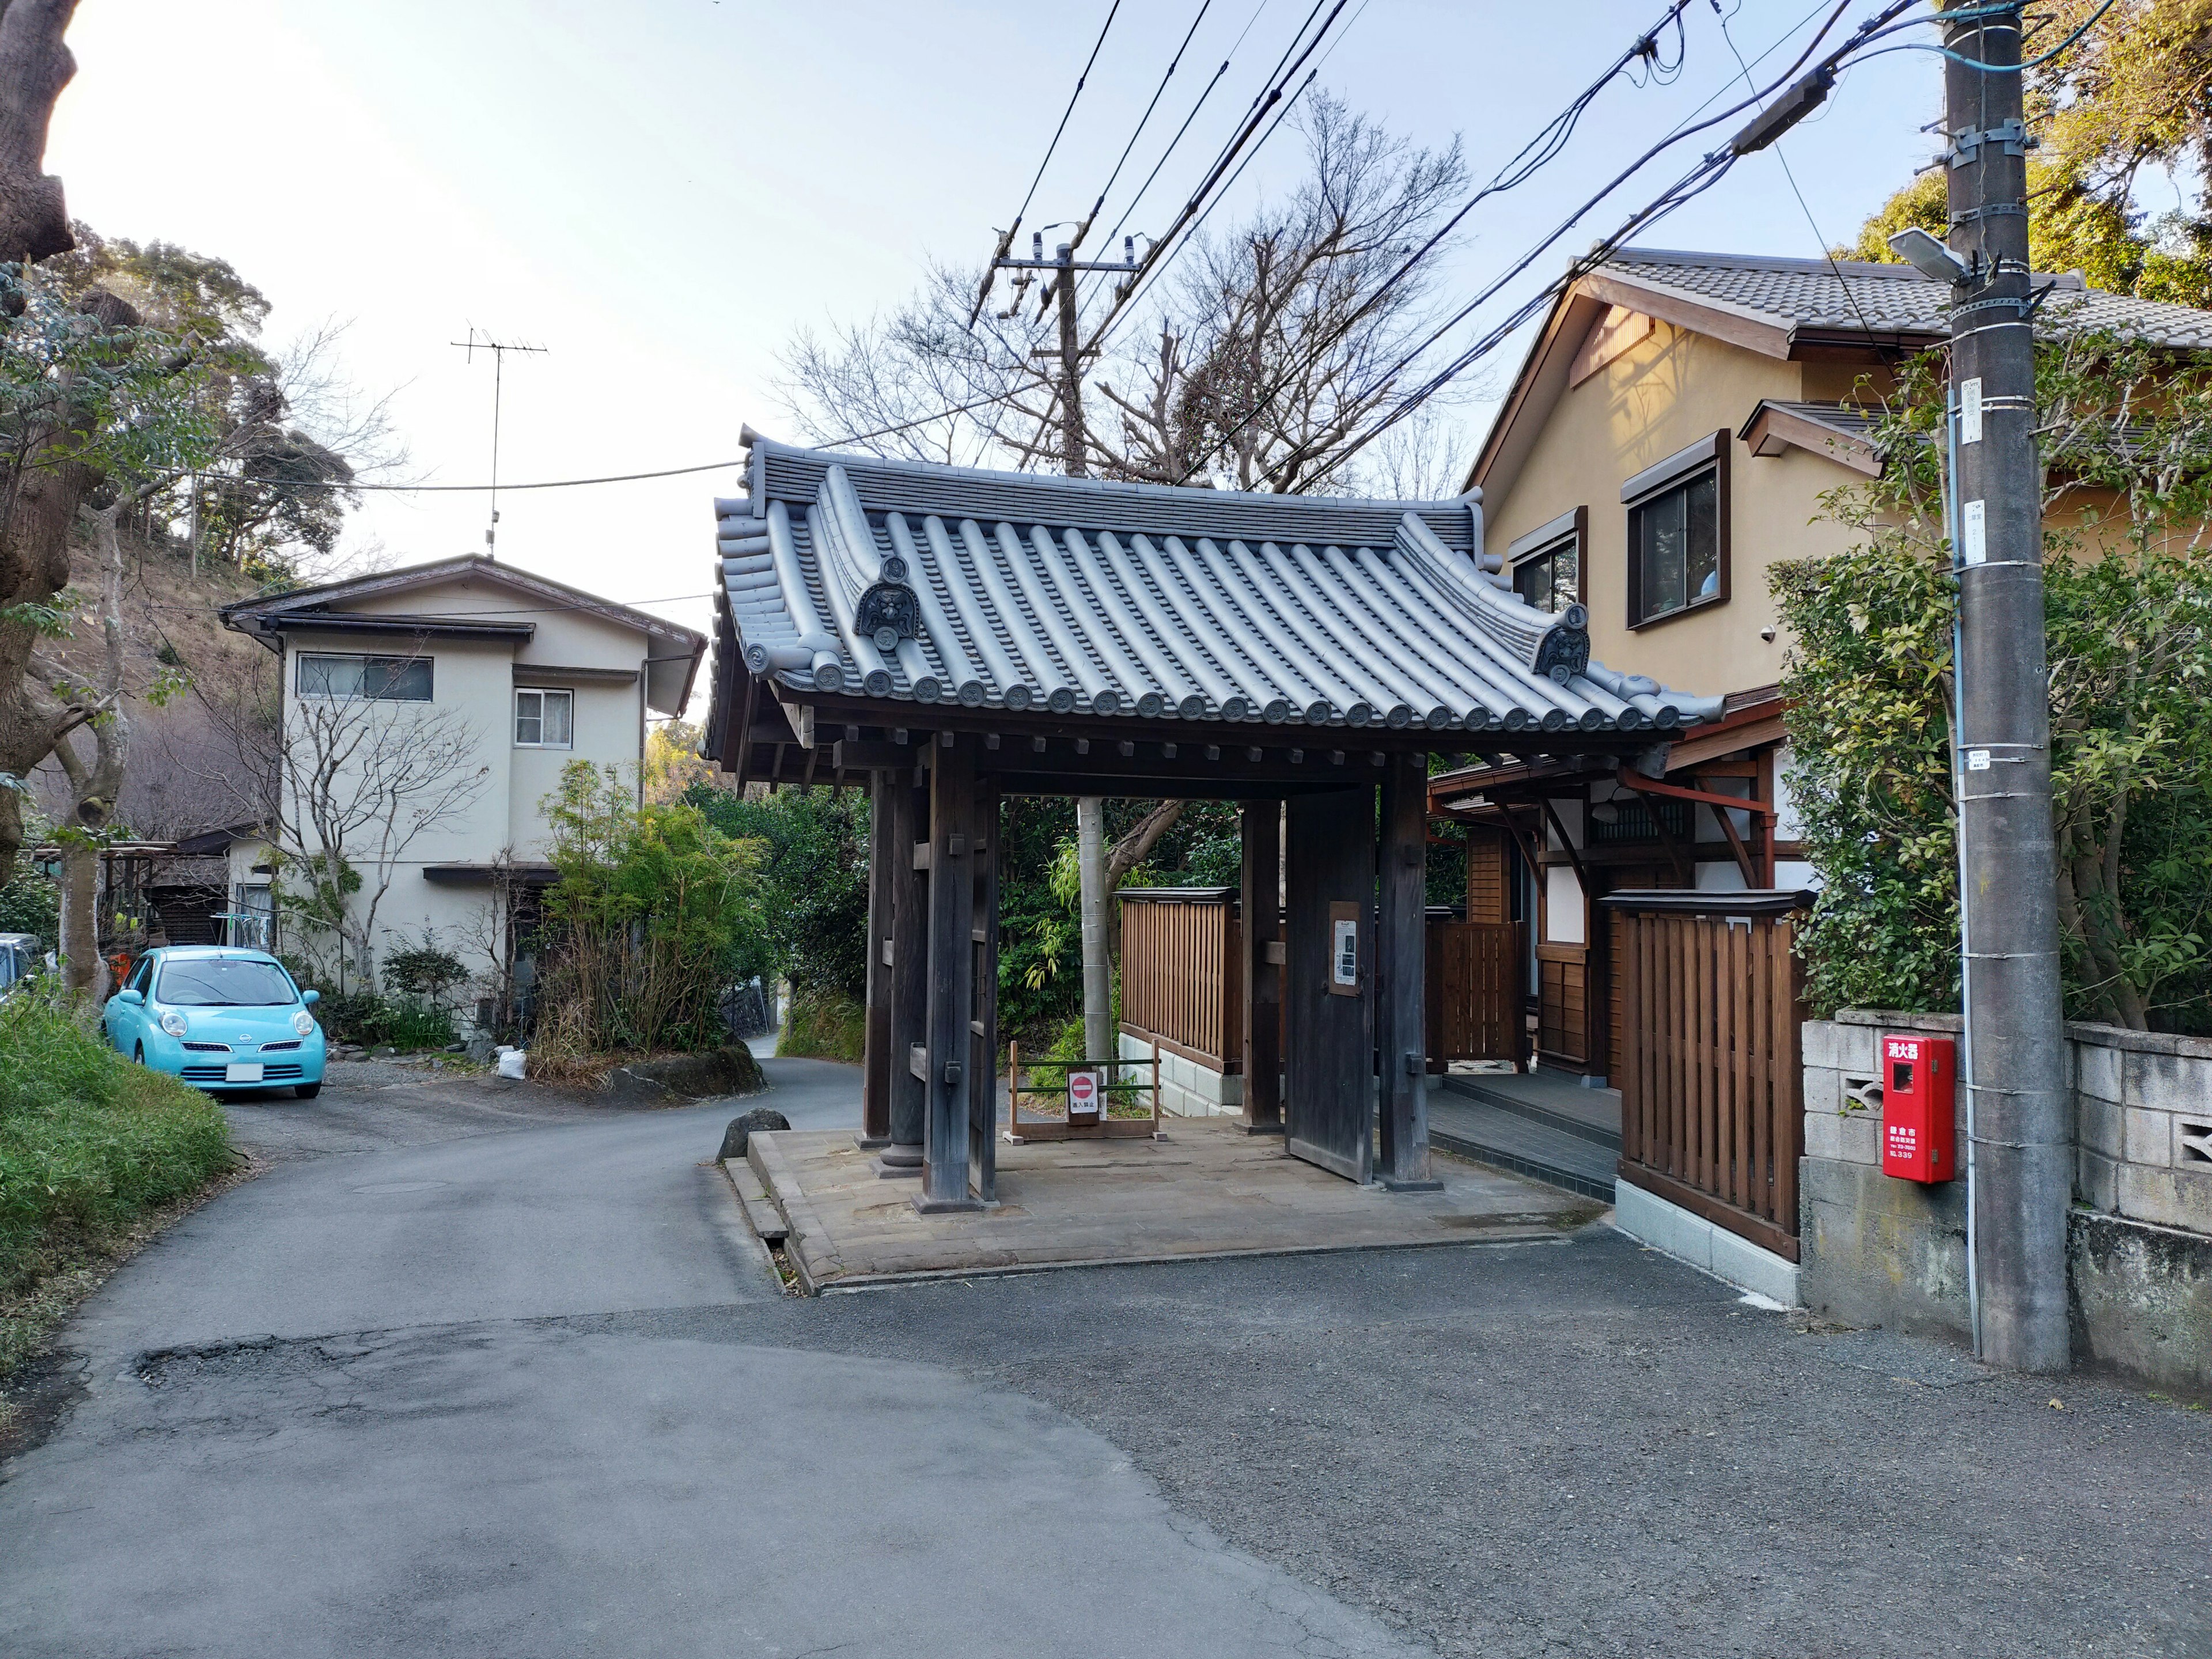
(1722, 805)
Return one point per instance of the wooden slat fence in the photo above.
(1182, 976)
(1712, 1108)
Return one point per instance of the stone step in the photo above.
(759, 1209)
(1521, 1145)
(1592, 1115)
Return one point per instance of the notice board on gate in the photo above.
(1343, 949)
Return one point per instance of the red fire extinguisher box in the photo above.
(1918, 1142)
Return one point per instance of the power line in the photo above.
(618, 477)
(1097, 46)
(1007, 237)
(1703, 176)
(1271, 94)
(1137, 132)
(1175, 142)
(1550, 140)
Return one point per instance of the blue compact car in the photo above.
(219, 1019)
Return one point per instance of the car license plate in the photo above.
(242, 1070)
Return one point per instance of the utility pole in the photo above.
(2020, 1119)
(499, 350)
(1099, 1039)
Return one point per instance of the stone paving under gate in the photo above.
(1208, 1189)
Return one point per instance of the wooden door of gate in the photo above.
(1711, 1098)
(1473, 992)
(1328, 1063)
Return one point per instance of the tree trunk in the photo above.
(82, 970)
(34, 566)
(35, 67)
(1097, 967)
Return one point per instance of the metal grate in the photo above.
(1633, 822)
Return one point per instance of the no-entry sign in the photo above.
(1084, 1090)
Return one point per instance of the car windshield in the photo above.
(224, 982)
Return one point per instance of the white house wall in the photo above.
(606, 726)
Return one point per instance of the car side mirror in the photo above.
(309, 999)
(134, 998)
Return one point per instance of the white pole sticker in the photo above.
(1970, 410)
(1973, 538)
(1978, 760)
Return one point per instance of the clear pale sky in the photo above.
(660, 192)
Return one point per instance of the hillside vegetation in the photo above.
(91, 1147)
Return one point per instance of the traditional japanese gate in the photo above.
(958, 636)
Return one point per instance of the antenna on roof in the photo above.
(499, 350)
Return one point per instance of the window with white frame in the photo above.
(381, 679)
(544, 720)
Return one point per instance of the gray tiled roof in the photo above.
(909, 583)
(1845, 420)
(1808, 294)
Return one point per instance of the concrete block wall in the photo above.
(1189, 1088)
(1878, 1250)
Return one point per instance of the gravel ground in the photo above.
(480, 1367)
(1587, 1449)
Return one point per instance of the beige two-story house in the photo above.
(428, 712)
(1667, 440)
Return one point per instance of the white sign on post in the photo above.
(1973, 531)
(1344, 952)
(1082, 1093)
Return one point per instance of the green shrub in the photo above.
(656, 914)
(813, 866)
(823, 1024)
(89, 1143)
(2127, 449)
(31, 904)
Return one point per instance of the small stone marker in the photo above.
(761, 1117)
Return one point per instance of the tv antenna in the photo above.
(480, 341)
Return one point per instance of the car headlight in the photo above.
(174, 1023)
(303, 1021)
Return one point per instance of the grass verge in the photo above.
(92, 1150)
(823, 1025)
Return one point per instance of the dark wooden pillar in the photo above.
(1260, 938)
(909, 984)
(1328, 1070)
(1401, 994)
(983, 1046)
(951, 977)
(876, 1074)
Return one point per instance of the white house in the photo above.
(428, 712)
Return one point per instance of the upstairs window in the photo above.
(1545, 566)
(381, 679)
(1549, 579)
(544, 720)
(1678, 540)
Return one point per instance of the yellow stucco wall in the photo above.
(1662, 395)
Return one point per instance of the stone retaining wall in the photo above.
(1189, 1088)
(1881, 1251)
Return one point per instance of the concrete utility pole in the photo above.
(1099, 1040)
(2021, 1173)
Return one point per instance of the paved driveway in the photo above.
(516, 1383)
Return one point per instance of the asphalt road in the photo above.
(483, 1372)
